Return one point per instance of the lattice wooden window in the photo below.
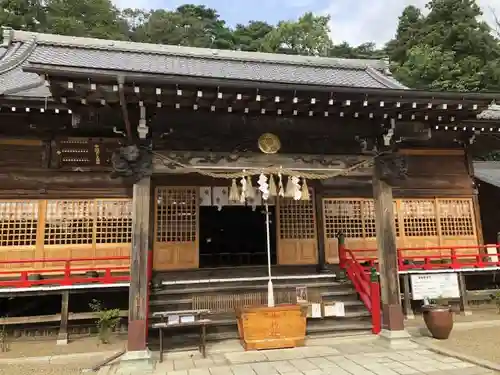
(176, 214)
(419, 217)
(455, 217)
(343, 216)
(355, 218)
(113, 221)
(18, 223)
(69, 222)
(296, 218)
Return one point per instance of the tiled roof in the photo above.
(36, 48)
(488, 171)
(492, 113)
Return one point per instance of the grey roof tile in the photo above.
(203, 67)
(26, 47)
(492, 113)
(488, 171)
(162, 49)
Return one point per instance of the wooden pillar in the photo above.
(392, 313)
(464, 301)
(139, 269)
(62, 337)
(408, 311)
(320, 230)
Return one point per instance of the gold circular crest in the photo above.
(269, 143)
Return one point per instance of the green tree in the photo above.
(449, 49)
(407, 34)
(309, 35)
(363, 51)
(189, 25)
(90, 18)
(26, 15)
(251, 37)
(134, 20)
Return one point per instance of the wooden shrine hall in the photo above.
(163, 161)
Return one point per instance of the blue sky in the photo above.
(354, 21)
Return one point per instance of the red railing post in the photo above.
(67, 272)
(375, 302)
(24, 279)
(454, 260)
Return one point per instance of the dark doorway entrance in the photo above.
(235, 236)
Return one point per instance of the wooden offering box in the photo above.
(282, 326)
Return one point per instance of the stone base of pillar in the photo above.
(396, 339)
(139, 361)
(62, 339)
(410, 316)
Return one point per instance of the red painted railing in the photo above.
(366, 285)
(437, 257)
(68, 273)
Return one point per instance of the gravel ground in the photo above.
(477, 342)
(41, 348)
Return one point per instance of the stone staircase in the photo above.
(222, 295)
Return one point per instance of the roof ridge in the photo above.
(18, 56)
(384, 79)
(195, 52)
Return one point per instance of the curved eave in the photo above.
(112, 76)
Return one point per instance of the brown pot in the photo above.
(439, 320)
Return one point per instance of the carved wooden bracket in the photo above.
(391, 168)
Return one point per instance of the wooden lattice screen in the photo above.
(64, 229)
(418, 223)
(176, 228)
(227, 303)
(297, 231)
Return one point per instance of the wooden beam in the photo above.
(139, 266)
(320, 229)
(432, 152)
(62, 337)
(392, 314)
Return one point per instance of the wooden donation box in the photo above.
(282, 326)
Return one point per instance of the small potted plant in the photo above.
(438, 318)
(107, 320)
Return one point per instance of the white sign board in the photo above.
(335, 309)
(435, 285)
(315, 310)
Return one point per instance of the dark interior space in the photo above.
(235, 236)
(489, 203)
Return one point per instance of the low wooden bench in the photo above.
(174, 319)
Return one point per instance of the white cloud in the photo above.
(375, 20)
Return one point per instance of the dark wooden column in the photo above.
(320, 229)
(141, 243)
(392, 313)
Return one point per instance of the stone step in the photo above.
(329, 327)
(353, 304)
(216, 287)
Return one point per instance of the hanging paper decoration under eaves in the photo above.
(242, 189)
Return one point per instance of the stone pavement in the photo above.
(351, 357)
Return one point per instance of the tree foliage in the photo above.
(448, 49)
